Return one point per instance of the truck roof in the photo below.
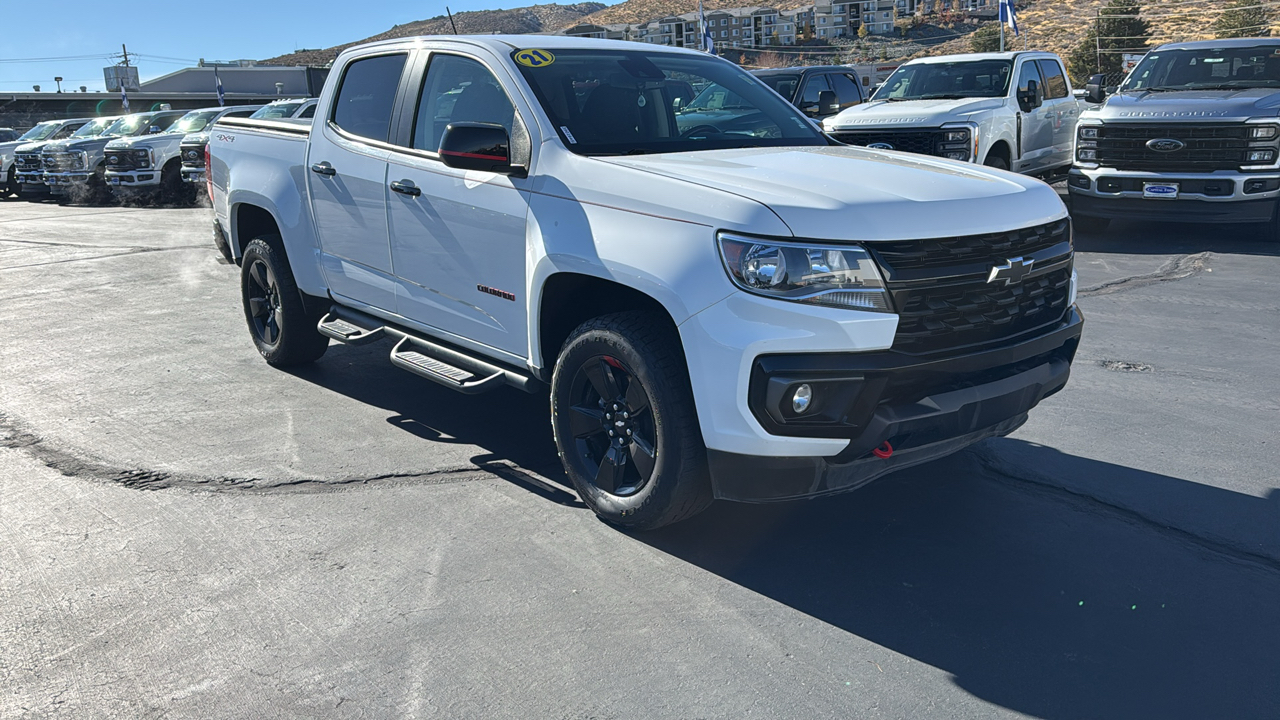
(503, 44)
(1224, 44)
(973, 57)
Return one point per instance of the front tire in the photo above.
(625, 424)
(282, 329)
(997, 162)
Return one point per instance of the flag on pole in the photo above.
(124, 96)
(222, 96)
(1008, 16)
(708, 40)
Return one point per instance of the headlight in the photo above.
(838, 276)
(1263, 132)
(956, 136)
(1089, 133)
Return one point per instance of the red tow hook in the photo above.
(884, 451)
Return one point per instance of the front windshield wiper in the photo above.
(943, 96)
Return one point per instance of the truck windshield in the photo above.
(1207, 69)
(93, 129)
(947, 80)
(40, 132)
(193, 122)
(616, 102)
(127, 125)
(275, 111)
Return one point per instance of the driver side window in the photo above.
(1028, 73)
(815, 85)
(458, 89)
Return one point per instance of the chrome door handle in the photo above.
(324, 168)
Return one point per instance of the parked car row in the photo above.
(157, 154)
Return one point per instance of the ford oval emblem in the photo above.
(1166, 145)
(880, 146)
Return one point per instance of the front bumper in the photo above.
(1231, 197)
(193, 174)
(924, 409)
(65, 179)
(132, 178)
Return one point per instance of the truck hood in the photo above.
(32, 146)
(848, 193)
(142, 142)
(1189, 105)
(87, 144)
(911, 113)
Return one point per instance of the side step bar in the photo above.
(455, 369)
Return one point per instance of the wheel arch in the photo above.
(569, 299)
(1000, 149)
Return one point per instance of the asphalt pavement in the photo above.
(186, 532)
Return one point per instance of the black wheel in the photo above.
(624, 422)
(996, 162)
(172, 190)
(282, 329)
(1089, 224)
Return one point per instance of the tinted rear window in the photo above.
(367, 94)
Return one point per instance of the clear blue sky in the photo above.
(181, 33)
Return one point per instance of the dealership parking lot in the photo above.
(187, 532)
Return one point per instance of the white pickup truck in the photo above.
(735, 308)
(1011, 110)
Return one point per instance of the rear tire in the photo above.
(626, 373)
(282, 329)
(1089, 224)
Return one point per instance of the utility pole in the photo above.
(126, 54)
(1097, 36)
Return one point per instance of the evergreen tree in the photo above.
(986, 38)
(1243, 19)
(1121, 31)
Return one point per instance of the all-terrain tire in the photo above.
(997, 162)
(642, 353)
(282, 329)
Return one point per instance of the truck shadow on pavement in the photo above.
(1030, 598)
(1132, 238)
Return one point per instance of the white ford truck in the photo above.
(750, 311)
(1012, 110)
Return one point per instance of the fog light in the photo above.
(1087, 154)
(1262, 155)
(802, 398)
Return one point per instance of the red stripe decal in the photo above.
(499, 158)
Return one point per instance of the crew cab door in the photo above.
(458, 236)
(1063, 111)
(1035, 126)
(347, 180)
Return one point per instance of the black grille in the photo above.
(1205, 147)
(990, 248)
(925, 142)
(972, 312)
(192, 156)
(122, 160)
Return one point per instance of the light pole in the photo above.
(59, 81)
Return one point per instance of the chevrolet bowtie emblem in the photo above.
(1011, 272)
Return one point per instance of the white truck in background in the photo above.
(1012, 111)
(711, 314)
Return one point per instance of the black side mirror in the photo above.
(477, 146)
(1029, 99)
(1095, 91)
(827, 103)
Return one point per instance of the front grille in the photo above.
(935, 317)
(897, 256)
(28, 162)
(1206, 147)
(925, 142)
(61, 162)
(192, 156)
(123, 160)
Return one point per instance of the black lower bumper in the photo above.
(924, 409)
(1183, 209)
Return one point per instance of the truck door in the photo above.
(1062, 111)
(347, 180)
(1035, 143)
(458, 236)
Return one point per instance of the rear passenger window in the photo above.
(366, 96)
(310, 112)
(1055, 84)
(846, 91)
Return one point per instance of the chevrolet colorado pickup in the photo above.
(751, 312)
(1011, 110)
(1192, 134)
